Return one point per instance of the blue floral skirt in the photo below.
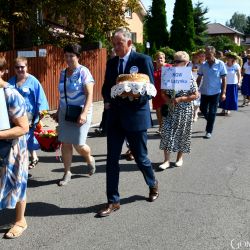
(14, 176)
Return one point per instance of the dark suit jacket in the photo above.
(130, 115)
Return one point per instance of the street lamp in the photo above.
(148, 46)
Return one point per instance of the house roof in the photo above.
(218, 28)
(143, 9)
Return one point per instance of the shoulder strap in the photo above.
(65, 92)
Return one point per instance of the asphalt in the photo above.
(205, 204)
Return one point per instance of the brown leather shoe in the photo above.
(109, 208)
(129, 156)
(153, 193)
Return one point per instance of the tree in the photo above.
(247, 28)
(238, 22)
(156, 24)
(28, 22)
(223, 43)
(200, 23)
(182, 29)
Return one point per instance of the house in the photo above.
(135, 22)
(218, 29)
(246, 42)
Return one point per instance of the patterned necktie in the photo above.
(121, 66)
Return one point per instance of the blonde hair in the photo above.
(181, 56)
(21, 59)
(159, 53)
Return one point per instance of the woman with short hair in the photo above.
(14, 164)
(36, 102)
(76, 97)
(158, 101)
(177, 124)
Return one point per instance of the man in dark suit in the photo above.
(126, 119)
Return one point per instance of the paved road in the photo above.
(203, 205)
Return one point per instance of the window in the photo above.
(134, 37)
(128, 13)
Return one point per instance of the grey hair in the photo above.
(211, 49)
(125, 33)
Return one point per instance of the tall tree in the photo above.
(238, 21)
(182, 33)
(200, 23)
(156, 24)
(247, 28)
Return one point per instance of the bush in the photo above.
(223, 43)
(168, 52)
(140, 47)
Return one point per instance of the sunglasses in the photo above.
(20, 67)
(178, 61)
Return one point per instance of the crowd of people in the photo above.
(213, 83)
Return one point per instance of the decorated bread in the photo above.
(132, 86)
(136, 78)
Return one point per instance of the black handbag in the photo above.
(5, 147)
(72, 111)
(164, 110)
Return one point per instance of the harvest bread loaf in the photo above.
(133, 78)
(132, 86)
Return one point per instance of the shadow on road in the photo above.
(33, 183)
(42, 209)
(82, 169)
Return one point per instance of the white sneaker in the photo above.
(208, 135)
(164, 165)
(179, 163)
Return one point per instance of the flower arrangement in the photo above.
(48, 140)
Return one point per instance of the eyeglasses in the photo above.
(178, 61)
(20, 67)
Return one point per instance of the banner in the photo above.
(176, 78)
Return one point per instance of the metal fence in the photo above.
(48, 63)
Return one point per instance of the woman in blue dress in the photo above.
(31, 89)
(78, 83)
(14, 166)
(233, 81)
(245, 88)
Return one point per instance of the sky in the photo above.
(219, 11)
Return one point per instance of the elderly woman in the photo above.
(158, 101)
(177, 125)
(233, 81)
(14, 164)
(76, 97)
(32, 91)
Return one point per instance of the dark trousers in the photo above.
(208, 107)
(103, 124)
(138, 145)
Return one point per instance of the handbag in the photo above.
(5, 147)
(164, 110)
(72, 111)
